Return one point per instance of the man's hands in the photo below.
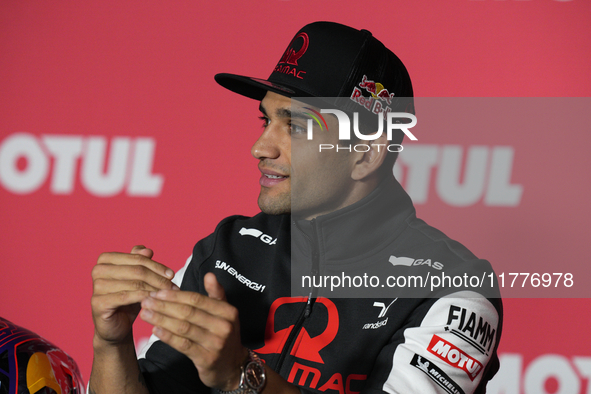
(206, 329)
(120, 283)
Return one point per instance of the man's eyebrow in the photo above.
(297, 114)
(284, 113)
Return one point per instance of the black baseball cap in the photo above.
(327, 59)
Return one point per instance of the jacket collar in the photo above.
(359, 229)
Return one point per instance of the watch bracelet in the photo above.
(252, 357)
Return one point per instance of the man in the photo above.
(238, 301)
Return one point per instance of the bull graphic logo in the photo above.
(376, 90)
(305, 347)
(291, 56)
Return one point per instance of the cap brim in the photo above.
(256, 88)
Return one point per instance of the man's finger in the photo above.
(213, 287)
(141, 249)
(106, 286)
(107, 303)
(197, 353)
(115, 258)
(182, 329)
(188, 338)
(186, 314)
(132, 273)
(199, 301)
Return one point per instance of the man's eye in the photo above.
(265, 120)
(295, 129)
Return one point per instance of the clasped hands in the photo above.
(204, 328)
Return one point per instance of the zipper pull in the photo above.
(308, 306)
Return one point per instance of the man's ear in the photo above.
(369, 162)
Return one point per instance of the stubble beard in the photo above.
(275, 205)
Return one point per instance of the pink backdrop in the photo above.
(89, 87)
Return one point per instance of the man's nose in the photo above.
(267, 146)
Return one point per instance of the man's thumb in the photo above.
(213, 288)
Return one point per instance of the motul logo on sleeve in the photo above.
(454, 356)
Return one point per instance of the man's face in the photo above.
(311, 184)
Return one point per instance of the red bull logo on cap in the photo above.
(376, 89)
(380, 98)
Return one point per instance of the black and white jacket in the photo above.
(440, 341)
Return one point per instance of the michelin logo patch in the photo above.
(436, 374)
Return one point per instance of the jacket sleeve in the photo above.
(448, 346)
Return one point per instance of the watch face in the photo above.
(254, 375)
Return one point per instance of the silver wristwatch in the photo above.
(252, 376)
